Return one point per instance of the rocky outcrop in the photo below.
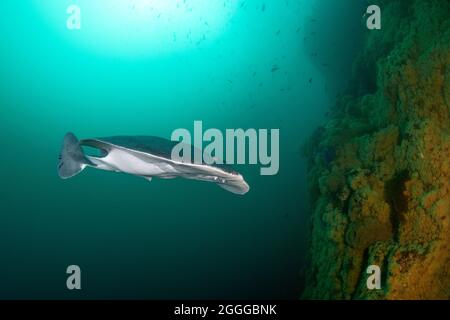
(379, 169)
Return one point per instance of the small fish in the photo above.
(275, 68)
(200, 41)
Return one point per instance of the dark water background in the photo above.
(174, 238)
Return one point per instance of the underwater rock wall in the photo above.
(379, 169)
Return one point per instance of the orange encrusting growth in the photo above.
(385, 197)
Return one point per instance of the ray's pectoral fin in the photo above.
(149, 179)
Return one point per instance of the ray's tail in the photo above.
(71, 158)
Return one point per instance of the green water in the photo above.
(166, 238)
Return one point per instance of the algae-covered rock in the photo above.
(379, 169)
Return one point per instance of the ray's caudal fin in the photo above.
(71, 158)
